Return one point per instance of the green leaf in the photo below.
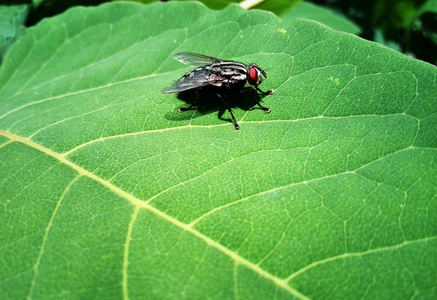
(424, 22)
(108, 192)
(429, 6)
(279, 7)
(323, 15)
(12, 17)
(214, 4)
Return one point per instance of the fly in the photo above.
(225, 76)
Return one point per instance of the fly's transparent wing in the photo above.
(194, 59)
(194, 79)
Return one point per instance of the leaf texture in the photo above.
(108, 192)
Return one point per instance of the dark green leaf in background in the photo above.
(12, 17)
(213, 4)
(429, 6)
(323, 15)
(278, 7)
(108, 192)
(423, 34)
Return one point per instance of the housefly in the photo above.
(225, 77)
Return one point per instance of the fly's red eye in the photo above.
(253, 74)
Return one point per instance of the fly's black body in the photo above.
(225, 76)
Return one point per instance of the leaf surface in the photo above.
(108, 192)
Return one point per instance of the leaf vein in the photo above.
(357, 254)
(46, 234)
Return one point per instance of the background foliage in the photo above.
(409, 26)
(107, 192)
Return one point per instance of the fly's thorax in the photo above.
(228, 72)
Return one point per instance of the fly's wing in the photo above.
(195, 60)
(194, 79)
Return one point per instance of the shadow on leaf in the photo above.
(205, 101)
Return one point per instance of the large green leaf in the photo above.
(108, 192)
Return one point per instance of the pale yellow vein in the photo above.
(356, 254)
(46, 234)
(126, 253)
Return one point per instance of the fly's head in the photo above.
(255, 74)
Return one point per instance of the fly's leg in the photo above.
(249, 88)
(191, 107)
(230, 111)
(269, 92)
(257, 100)
(265, 109)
